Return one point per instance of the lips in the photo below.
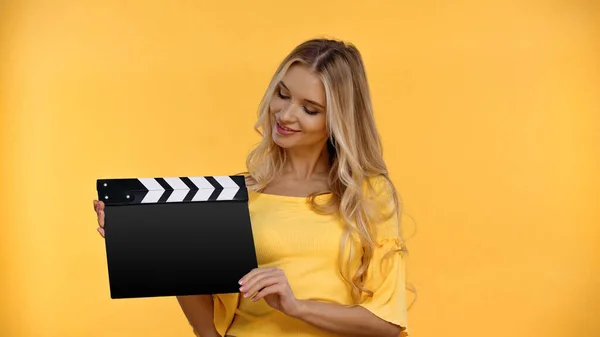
(285, 130)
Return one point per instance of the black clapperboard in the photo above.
(176, 236)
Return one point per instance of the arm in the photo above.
(199, 312)
(345, 320)
(272, 285)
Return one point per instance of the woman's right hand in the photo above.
(99, 209)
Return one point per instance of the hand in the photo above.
(272, 285)
(99, 209)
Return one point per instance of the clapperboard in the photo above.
(176, 236)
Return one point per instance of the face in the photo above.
(298, 107)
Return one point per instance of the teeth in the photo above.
(286, 129)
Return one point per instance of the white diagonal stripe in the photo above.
(203, 194)
(230, 188)
(152, 196)
(177, 195)
(201, 182)
(180, 189)
(227, 193)
(155, 191)
(177, 184)
(205, 188)
(151, 184)
(226, 182)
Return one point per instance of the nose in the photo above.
(286, 115)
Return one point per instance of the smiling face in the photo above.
(298, 107)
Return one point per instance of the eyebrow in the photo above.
(306, 100)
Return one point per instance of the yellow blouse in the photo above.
(305, 245)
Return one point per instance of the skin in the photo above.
(299, 104)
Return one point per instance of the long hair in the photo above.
(354, 146)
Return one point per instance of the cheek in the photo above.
(276, 105)
(315, 125)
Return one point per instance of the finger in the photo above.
(252, 274)
(255, 275)
(261, 283)
(98, 206)
(101, 218)
(270, 290)
(101, 231)
(253, 280)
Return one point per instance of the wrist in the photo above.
(301, 310)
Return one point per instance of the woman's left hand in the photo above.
(272, 285)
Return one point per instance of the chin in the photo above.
(282, 141)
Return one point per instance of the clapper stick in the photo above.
(176, 236)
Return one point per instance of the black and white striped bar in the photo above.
(128, 191)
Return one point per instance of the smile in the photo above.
(285, 131)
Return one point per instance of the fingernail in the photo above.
(241, 288)
(241, 282)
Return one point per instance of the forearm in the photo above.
(198, 310)
(354, 321)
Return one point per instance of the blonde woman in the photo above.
(325, 215)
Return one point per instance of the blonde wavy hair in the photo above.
(354, 146)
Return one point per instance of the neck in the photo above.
(303, 164)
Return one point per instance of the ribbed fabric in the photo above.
(305, 245)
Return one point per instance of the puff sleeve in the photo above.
(386, 274)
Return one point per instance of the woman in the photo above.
(324, 212)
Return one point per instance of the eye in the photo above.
(281, 95)
(310, 112)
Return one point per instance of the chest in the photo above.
(285, 231)
(291, 187)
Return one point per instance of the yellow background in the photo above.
(489, 110)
